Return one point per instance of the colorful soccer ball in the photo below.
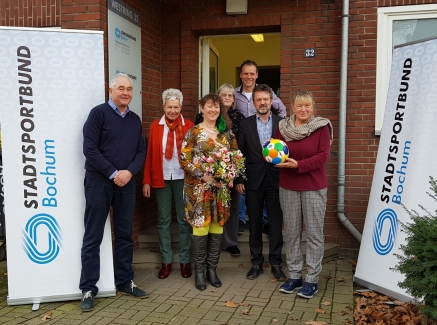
(275, 151)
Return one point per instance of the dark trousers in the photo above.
(255, 203)
(100, 195)
(230, 229)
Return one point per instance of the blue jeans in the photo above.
(265, 217)
(100, 195)
(242, 212)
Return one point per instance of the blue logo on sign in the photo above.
(123, 35)
(386, 215)
(47, 226)
(117, 33)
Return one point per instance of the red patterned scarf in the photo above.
(175, 125)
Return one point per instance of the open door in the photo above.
(209, 61)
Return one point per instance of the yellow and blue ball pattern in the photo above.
(275, 151)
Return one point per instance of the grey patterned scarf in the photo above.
(294, 133)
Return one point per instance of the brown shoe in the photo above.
(185, 270)
(164, 271)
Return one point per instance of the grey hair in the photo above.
(118, 76)
(172, 94)
(224, 87)
(227, 88)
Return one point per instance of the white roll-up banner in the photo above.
(49, 81)
(406, 159)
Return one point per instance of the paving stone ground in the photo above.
(175, 300)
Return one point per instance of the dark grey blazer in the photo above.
(249, 144)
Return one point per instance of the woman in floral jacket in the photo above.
(207, 200)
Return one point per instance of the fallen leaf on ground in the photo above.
(47, 315)
(328, 277)
(241, 266)
(244, 304)
(376, 311)
(342, 312)
(341, 280)
(245, 312)
(315, 322)
(155, 250)
(347, 321)
(326, 303)
(293, 318)
(320, 311)
(214, 290)
(275, 320)
(367, 294)
(230, 303)
(224, 323)
(265, 265)
(273, 280)
(5, 274)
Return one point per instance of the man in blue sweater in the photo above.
(114, 149)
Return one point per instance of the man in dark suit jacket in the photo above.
(261, 183)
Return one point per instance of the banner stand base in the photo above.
(35, 307)
(35, 301)
(385, 291)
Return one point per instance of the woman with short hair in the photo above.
(205, 209)
(163, 172)
(232, 118)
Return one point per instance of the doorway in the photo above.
(229, 51)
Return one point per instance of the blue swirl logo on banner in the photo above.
(117, 33)
(33, 245)
(386, 215)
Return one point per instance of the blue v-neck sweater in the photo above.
(111, 142)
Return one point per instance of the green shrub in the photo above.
(419, 261)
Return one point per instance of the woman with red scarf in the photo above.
(163, 172)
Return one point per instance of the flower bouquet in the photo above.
(223, 165)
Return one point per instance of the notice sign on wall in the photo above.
(406, 159)
(124, 46)
(49, 81)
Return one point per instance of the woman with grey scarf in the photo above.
(302, 191)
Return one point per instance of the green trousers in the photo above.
(173, 188)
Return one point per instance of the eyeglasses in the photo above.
(227, 95)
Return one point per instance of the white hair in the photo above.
(172, 94)
(118, 76)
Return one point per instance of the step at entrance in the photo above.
(148, 256)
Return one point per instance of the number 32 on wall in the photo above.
(310, 53)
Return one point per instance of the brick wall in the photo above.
(30, 13)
